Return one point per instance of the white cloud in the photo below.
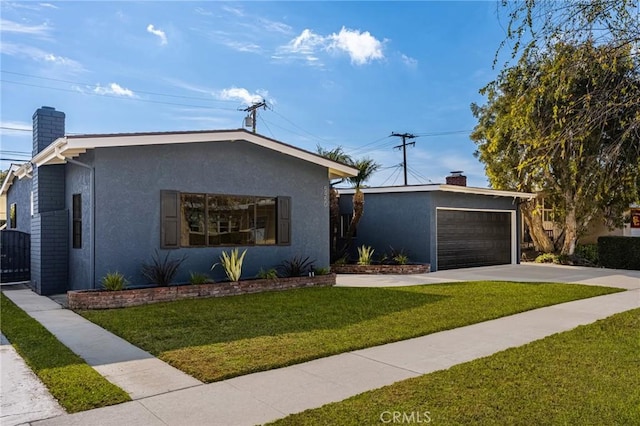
(409, 61)
(242, 46)
(362, 47)
(36, 54)
(49, 5)
(274, 26)
(114, 89)
(159, 33)
(203, 12)
(15, 27)
(241, 94)
(233, 10)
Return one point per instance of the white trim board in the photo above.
(440, 187)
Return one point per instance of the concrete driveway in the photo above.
(527, 272)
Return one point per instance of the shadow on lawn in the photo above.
(168, 326)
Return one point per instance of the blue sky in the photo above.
(333, 73)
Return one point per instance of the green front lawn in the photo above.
(586, 376)
(218, 338)
(75, 385)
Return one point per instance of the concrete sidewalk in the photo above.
(137, 372)
(165, 396)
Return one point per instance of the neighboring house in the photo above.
(597, 227)
(447, 225)
(94, 204)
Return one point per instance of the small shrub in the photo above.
(547, 258)
(197, 278)
(232, 264)
(295, 267)
(588, 253)
(342, 261)
(365, 254)
(162, 271)
(322, 271)
(114, 281)
(268, 274)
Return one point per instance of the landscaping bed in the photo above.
(417, 268)
(102, 299)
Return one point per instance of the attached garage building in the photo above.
(448, 226)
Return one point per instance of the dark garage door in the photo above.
(473, 238)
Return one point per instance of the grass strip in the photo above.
(75, 385)
(218, 338)
(587, 376)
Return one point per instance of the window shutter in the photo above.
(170, 219)
(284, 221)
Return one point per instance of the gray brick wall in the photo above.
(49, 253)
(50, 221)
(48, 125)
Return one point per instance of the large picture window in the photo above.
(222, 220)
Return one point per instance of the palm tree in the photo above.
(366, 168)
(336, 154)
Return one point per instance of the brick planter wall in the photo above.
(422, 268)
(100, 299)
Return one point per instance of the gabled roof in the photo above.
(71, 146)
(15, 171)
(441, 187)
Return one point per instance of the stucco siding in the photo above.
(128, 184)
(407, 220)
(398, 220)
(78, 181)
(20, 194)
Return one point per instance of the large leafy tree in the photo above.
(563, 122)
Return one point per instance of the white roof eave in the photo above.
(444, 188)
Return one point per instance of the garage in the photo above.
(468, 238)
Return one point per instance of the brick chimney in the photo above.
(48, 125)
(457, 178)
(50, 216)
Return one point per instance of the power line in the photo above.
(115, 97)
(404, 144)
(134, 90)
(252, 110)
(445, 133)
(295, 125)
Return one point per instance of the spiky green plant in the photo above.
(232, 264)
(365, 255)
(114, 281)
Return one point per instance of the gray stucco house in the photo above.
(446, 225)
(94, 204)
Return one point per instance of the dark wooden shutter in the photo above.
(170, 219)
(284, 221)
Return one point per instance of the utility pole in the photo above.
(252, 111)
(404, 137)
